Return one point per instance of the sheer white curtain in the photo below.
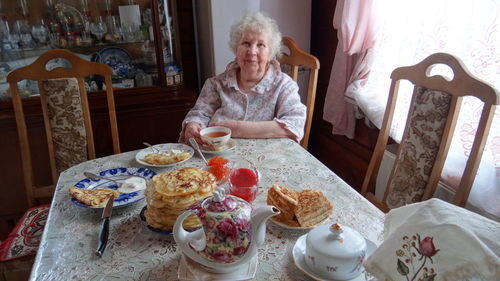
(410, 31)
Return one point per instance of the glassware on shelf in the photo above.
(40, 32)
(114, 32)
(8, 42)
(107, 6)
(24, 8)
(143, 79)
(132, 33)
(14, 39)
(21, 28)
(147, 19)
(98, 28)
(27, 27)
(85, 33)
(53, 39)
(3, 28)
(4, 36)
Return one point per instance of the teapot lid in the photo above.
(336, 241)
(219, 202)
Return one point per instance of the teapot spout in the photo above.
(259, 218)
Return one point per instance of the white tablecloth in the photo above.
(136, 253)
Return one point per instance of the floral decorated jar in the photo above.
(335, 252)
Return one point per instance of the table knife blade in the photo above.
(104, 233)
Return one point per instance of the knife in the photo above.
(103, 235)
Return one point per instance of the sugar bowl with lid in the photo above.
(335, 252)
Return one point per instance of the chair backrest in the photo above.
(68, 127)
(432, 117)
(295, 58)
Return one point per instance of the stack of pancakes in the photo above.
(299, 209)
(171, 193)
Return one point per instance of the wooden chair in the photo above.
(432, 117)
(37, 71)
(295, 58)
(67, 123)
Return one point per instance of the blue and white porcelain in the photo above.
(124, 199)
(118, 59)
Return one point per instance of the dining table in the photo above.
(135, 252)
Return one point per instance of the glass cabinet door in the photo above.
(120, 33)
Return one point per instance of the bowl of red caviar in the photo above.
(220, 168)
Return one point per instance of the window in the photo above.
(408, 31)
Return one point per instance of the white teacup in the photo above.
(216, 136)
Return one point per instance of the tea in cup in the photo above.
(216, 136)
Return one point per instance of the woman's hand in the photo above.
(192, 130)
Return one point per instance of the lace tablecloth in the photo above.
(136, 253)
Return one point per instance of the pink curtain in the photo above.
(356, 31)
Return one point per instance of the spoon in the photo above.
(197, 148)
(151, 146)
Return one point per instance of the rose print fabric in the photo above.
(275, 97)
(435, 240)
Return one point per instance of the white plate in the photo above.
(228, 146)
(189, 270)
(116, 174)
(299, 251)
(164, 147)
(297, 227)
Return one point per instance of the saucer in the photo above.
(231, 143)
(299, 250)
(190, 270)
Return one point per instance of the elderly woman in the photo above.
(252, 97)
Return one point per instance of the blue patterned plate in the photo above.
(117, 58)
(116, 174)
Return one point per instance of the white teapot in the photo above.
(231, 232)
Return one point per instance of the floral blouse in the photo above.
(275, 97)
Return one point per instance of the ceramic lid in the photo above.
(336, 241)
(220, 202)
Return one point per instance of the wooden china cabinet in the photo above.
(150, 46)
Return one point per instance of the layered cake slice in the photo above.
(313, 207)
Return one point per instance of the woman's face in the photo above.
(253, 54)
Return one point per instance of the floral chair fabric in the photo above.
(419, 147)
(66, 121)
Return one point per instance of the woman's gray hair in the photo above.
(257, 22)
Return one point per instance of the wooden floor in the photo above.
(16, 270)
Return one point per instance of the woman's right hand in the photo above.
(192, 130)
